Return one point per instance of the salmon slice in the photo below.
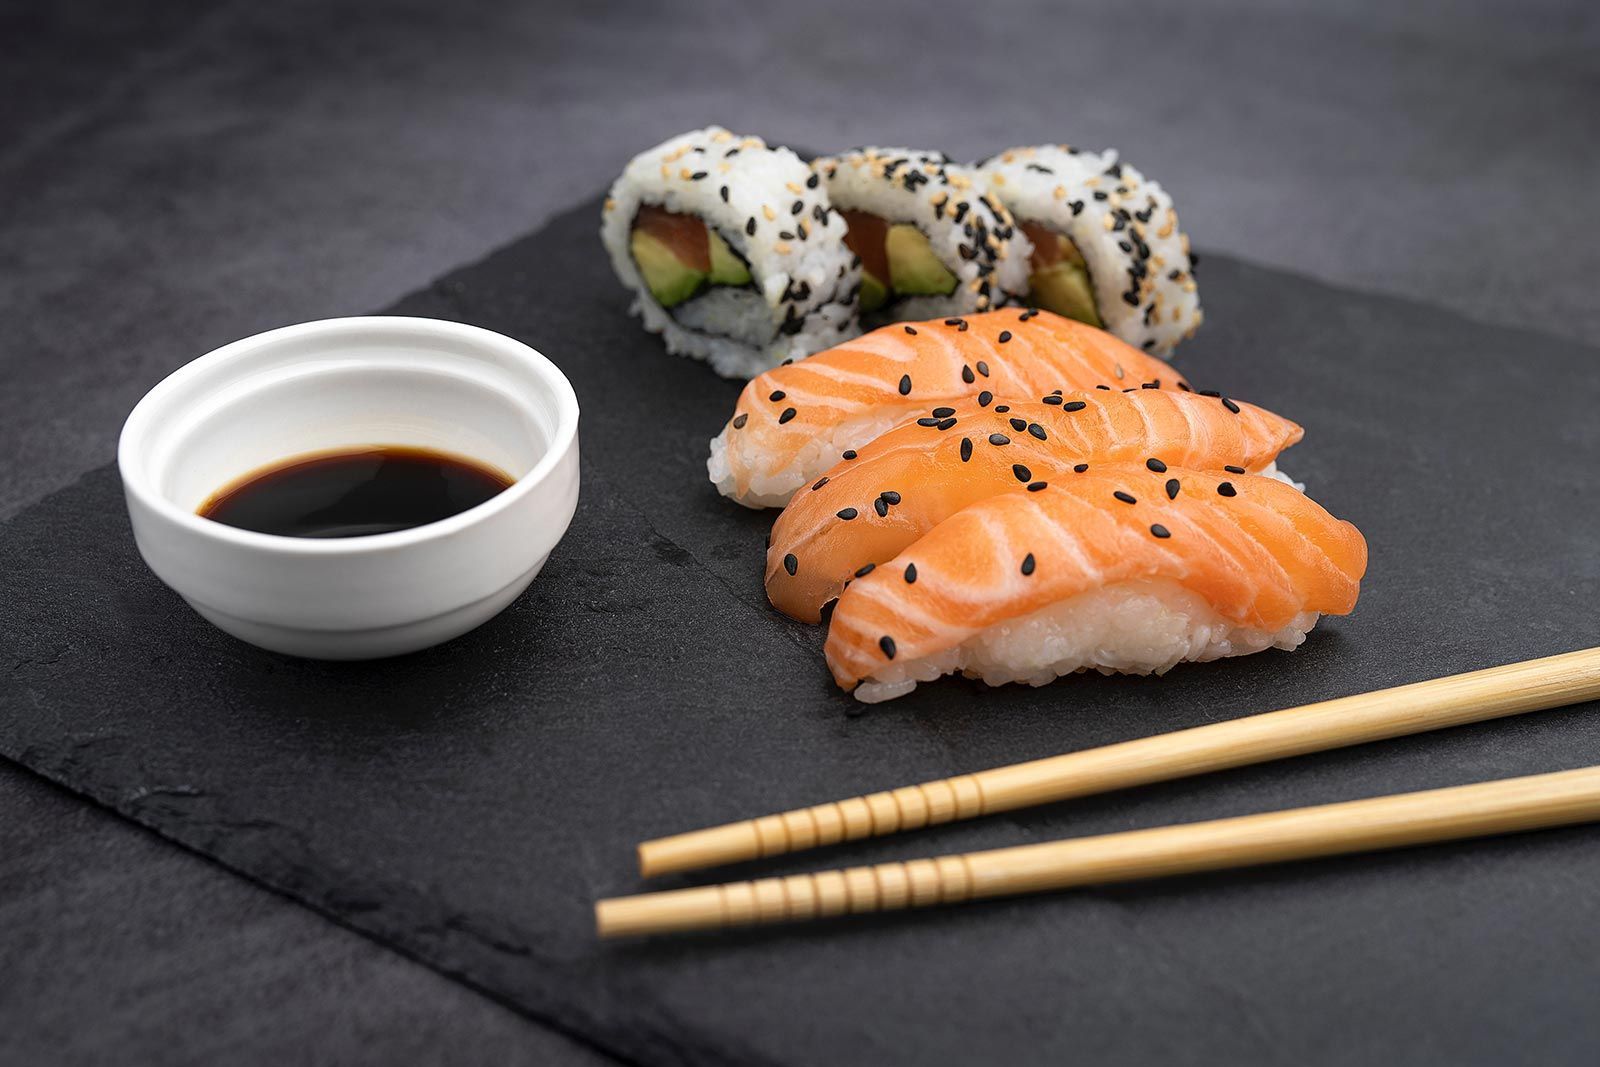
(904, 483)
(1101, 569)
(685, 235)
(793, 422)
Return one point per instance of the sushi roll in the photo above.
(792, 423)
(867, 510)
(732, 250)
(1106, 570)
(1105, 244)
(931, 242)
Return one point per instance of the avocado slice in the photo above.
(874, 294)
(726, 266)
(913, 268)
(669, 279)
(1064, 289)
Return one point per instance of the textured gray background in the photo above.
(176, 177)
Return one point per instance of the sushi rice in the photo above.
(1124, 226)
(766, 205)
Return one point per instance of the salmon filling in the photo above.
(680, 257)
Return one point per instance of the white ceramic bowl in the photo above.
(341, 383)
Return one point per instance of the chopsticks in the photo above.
(1532, 685)
(1507, 806)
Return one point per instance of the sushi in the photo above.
(732, 250)
(1101, 571)
(931, 242)
(1104, 242)
(793, 423)
(867, 510)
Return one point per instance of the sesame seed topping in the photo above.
(1230, 405)
(1018, 425)
(945, 424)
(819, 483)
(739, 421)
(791, 564)
(776, 395)
(1038, 431)
(1074, 405)
(887, 644)
(943, 413)
(750, 227)
(1231, 469)
(847, 513)
(866, 570)
(983, 368)
(1160, 530)
(966, 374)
(966, 449)
(849, 453)
(985, 398)
(889, 496)
(928, 421)
(724, 194)
(1023, 473)
(1034, 487)
(911, 330)
(1005, 335)
(1156, 465)
(1027, 563)
(1227, 489)
(999, 439)
(788, 413)
(1126, 498)
(1052, 400)
(905, 385)
(881, 506)
(1172, 488)
(911, 573)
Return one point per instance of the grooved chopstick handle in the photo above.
(1513, 689)
(1507, 806)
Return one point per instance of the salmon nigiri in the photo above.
(1108, 570)
(866, 510)
(793, 422)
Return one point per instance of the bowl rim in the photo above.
(135, 474)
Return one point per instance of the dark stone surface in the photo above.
(468, 803)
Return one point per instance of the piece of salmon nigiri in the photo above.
(1107, 570)
(866, 510)
(793, 422)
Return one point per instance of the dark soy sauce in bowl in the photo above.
(355, 492)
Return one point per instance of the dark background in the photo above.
(176, 177)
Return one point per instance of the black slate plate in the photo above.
(467, 804)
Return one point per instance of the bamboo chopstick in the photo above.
(1505, 806)
(1533, 685)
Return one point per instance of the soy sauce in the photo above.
(355, 492)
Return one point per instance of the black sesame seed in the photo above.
(983, 368)
(1023, 473)
(1209, 392)
(797, 207)
(811, 182)
(1005, 335)
(1027, 564)
(791, 564)
(927, 422)
(724, 192)
(1160, 530)
(847, 513)
(985, 398)
(887, 644)
(1231, 469)
(966, 449)
(1099, 195)
(889, 496)
(849, 453)
(1156, 465)
(1172, 488)
(1227, 489)
(1126, 498)
(944, 413)
(911, 330)
(776, 395)
(962, 328)
(1019, 425)
(739, 421)
(911, 573)
(953, 322)
(1052, 400)
(966, 374)
(1038, 431)
(819, 483)
(868, 569)
(881, 506)
(1079, 468)
(1034, 487)
(1075, 405)
(905, 385)
(697, 175)
(999, 439)
(1230, 405)
(945, 424)
(788, 413)
(750, 227)
(1107, 388)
